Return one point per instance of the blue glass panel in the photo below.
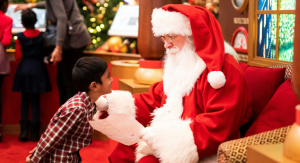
(286, 37)
(266, 38)
(267, 4)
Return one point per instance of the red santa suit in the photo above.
(191, 117)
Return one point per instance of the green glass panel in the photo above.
(266, 38)
(286, 37)
(267, 4)
(287, 4)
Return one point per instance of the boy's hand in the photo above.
(28, 159)
(101, 104)
(30, 153)
(97, 115)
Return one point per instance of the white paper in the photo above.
(120, 127)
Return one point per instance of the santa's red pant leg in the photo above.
(149, 159)
(125, 154)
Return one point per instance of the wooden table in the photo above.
(129, 85)
(266, 154)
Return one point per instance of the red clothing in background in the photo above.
(30, 33)
(5, 29)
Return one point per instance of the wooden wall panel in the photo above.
(226, 15)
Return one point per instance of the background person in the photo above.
(5, 40)
(57, 14)
(31, 78)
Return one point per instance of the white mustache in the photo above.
(173, 50)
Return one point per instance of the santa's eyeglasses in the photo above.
(168, 38)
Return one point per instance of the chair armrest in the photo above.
(236, 150)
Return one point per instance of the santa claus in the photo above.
(201, 102)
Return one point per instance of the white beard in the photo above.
(181, 71)
(178, 65)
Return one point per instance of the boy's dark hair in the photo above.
(2, 2)
(86, 71)
(28, 18)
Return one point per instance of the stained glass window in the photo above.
(269, 30)
(267, 4)
(266, 43)
(286, 37)
(287, 4)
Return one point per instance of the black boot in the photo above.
(24, 130)
(35, 129)
(0, 131)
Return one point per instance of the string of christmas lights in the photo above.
(98, 15)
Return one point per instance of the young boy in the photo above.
(69, 129)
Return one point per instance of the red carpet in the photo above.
(14, 151)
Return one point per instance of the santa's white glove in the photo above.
(101, 103)
(147, 135)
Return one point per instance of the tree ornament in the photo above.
(30, 1)
(124, 48)
(115, 8)
(132, 47)
(114, 44)
(89, 5)
(99, 18)
(210, 7)
(94, 1)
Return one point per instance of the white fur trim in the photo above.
(216, 79)
(121, 102)
(142, 150)
(174, 142)
(165, 22)
(189, 83)
(186, 85)
(171, 110)
(231, 51)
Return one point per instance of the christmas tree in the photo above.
(98, 16)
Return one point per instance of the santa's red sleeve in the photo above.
(147, 102)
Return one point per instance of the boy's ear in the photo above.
(93, 86)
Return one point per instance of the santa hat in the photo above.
(188, 20)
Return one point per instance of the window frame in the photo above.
(253, 59)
